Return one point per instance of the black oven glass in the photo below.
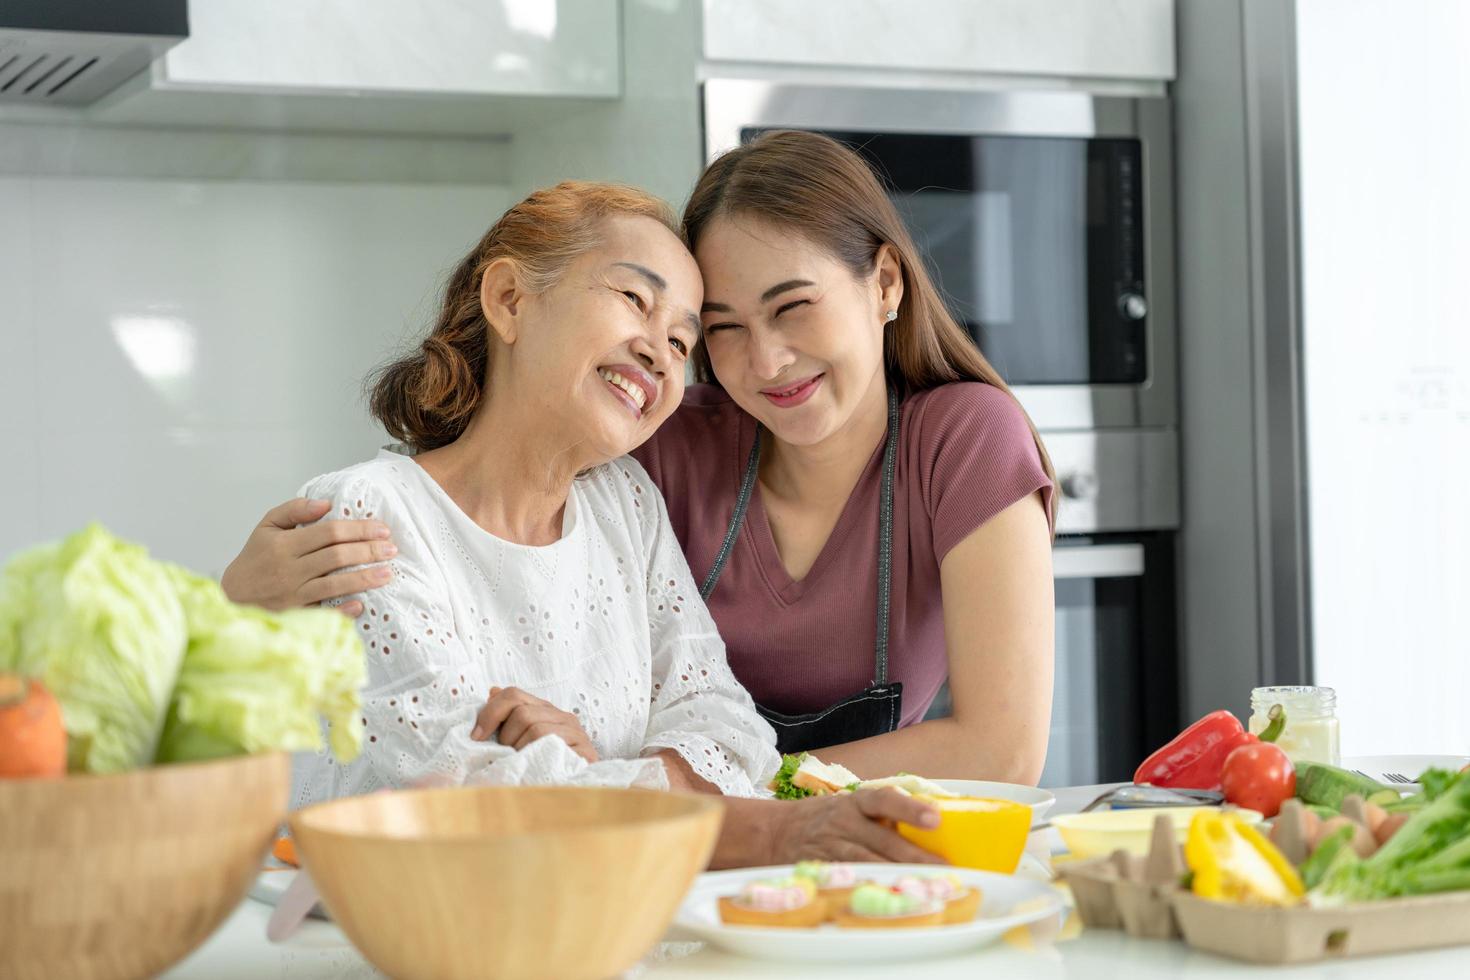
(1037, 243)
(1115, 695)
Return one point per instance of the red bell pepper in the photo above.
(1196, 756)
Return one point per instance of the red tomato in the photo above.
(1258, 776)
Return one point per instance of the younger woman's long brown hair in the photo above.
(822, 191)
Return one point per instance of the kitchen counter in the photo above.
(319, 951)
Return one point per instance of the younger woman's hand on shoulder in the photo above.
(284, 566)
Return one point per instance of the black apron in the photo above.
(875, 710)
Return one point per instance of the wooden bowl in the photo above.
(122, 876)
(506, 881)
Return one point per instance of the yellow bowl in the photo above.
(506, 881)
(985, 834)
(1102, 832)
(121, 876)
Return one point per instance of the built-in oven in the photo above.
(1116, 696)
(1044, 216)
(1047, 219)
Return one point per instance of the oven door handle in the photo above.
(1097, 561)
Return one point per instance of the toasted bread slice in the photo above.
(808, 916)
(847, 920)
(907, 782)
(963, 907)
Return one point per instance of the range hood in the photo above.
(73, 52)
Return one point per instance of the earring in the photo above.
(892, 315)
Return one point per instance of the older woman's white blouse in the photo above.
(605, 623)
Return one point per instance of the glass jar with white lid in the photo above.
(1311, 733)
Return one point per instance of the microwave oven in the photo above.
(1044, 216)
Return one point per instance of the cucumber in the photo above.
(1329, 786)
(1407, 804)
(1324, 812)
(1384, 797)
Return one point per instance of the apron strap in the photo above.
(742, 500)
(885, 542)
(885, 533)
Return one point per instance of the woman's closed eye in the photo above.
(784, 307)
(715, 327)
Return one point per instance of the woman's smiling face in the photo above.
(792, 335)
(601, 354)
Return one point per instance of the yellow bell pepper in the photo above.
(975, 832)
(1232, 862)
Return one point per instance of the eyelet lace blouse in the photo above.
(606, 623)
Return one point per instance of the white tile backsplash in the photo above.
(178, 355)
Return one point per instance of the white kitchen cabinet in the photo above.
(468, 67)
(1115, 39)
(465, 47)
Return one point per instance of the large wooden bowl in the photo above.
(122, 876)
(506, 881)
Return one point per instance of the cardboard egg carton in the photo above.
(1144, 897)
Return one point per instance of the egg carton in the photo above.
(1142, 895)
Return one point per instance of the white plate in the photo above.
(1374, 766)
(1039, 800)
(1000, 895)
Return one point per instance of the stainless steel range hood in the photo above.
(72, 52)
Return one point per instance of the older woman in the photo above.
(534, 619)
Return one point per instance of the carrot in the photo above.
(285, 851)
(32, 736)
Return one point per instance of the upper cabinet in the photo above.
(1108, 39)
(450, 66)
(427, 47)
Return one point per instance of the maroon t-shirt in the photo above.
(965, 454)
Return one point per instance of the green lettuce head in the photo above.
(254, 681)
(99, 623)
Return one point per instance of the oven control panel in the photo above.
(1116, 479)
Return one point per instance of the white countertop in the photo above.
(319, 951)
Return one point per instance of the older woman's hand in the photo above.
(517, 719)
(283, 566)
(851, 827)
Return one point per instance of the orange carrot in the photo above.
(285, 851)
(32, 736)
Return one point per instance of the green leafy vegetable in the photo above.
(781, 782)
(1436, 781)
(254, 681)
(99, 623)
(1429, 853)
(151, 663)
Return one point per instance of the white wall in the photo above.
(186, 317)
(1385, 135)
(175, 355)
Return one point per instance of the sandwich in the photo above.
(803, 775)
